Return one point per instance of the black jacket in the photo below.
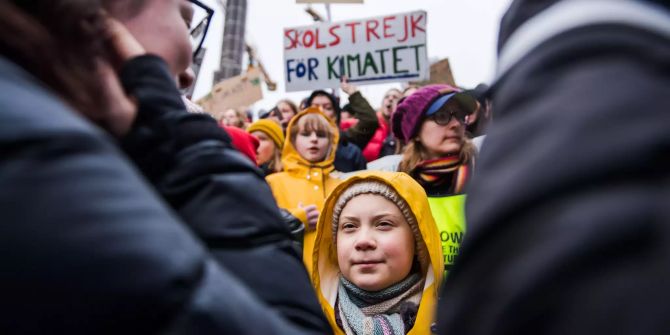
(89, 247)
(362, 132)
(348, 157)
(568, 216)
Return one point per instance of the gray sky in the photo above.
(465, 31)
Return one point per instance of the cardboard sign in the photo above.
(235, 92)
(388, 48)
(440, 73)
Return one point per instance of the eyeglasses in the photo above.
(202, 16)
(443, 116)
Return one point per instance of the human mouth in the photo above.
(367, 262)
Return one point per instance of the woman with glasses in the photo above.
(438, 155)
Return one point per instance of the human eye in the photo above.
(385, 224)
(442, 117)
(321, 133)
(348, 226)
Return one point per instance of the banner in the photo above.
(388, 48)
(235, 92)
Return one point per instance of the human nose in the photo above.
(365, 240)
(313, 137)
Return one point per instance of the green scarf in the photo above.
(380, 313)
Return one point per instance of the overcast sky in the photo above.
(465, 31)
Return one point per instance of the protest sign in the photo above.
(388, 48)
(235, 92)
(440, 73)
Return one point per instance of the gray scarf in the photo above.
(379, 313)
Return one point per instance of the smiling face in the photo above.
(442, 140)
(375, 244)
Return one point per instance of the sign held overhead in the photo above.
(387, 48)
(235, 92)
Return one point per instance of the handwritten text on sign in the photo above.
(374, 50)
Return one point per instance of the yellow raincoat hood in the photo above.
(292, 161)
(325, 276)
(303, 183)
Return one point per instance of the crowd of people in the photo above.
(128, 209)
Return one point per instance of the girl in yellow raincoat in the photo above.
(377, 256)
(307, 158)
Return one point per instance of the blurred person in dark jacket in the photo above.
(176, 236)
(569, 223)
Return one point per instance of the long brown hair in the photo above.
(60, 43)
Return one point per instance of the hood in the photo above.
(326, 277)
(519, 12)
(291, 159)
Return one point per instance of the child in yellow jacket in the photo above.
(306, 181)
(377, 256)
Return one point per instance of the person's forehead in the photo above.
(322, 99)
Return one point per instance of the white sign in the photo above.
(388, 48)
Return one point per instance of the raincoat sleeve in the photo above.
(217, 192)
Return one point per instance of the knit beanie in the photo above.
(407, 117)
(271, 128)
(378, 188)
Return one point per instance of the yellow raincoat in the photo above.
(325, 276)
(303, 183)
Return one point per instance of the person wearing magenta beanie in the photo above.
(439, 155)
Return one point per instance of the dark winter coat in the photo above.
(90, 246)
(569, 223)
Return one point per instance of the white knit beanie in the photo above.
(379, 188)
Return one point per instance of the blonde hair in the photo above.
(415, 153)
(274, 164)
(312, 122)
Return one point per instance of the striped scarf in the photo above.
(443, 172)
(379, 313)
